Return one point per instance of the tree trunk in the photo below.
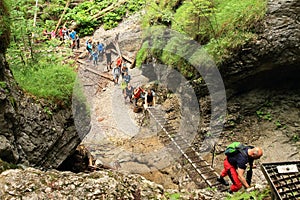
(108, 9)
(62, 15)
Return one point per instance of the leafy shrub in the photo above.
(142, 54)
(223, 26)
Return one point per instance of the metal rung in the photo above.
(211, 178)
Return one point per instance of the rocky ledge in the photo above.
(272, 59)
(32, 183)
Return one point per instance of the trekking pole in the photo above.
(213, 155)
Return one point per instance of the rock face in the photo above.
(31, 132)
(35, 184)
(273, 58)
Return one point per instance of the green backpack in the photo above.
(234, 148)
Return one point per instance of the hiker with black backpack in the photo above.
(235, 164)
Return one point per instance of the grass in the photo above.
(50, 81)
(254, 195)
(234, 24)
(225, 25)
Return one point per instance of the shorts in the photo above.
(108, 57)
(116, 76)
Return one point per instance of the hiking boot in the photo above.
(222, 181)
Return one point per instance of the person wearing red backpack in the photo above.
(235, 165)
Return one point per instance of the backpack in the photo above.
(235, 148)
(117, 71)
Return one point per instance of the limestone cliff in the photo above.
(28, 133)
(273, 58)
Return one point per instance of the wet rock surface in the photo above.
(33, 133)
(273, 57)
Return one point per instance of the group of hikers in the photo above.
(64, 34)
(133, 94)
(96, 51)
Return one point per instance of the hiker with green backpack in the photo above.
(235, 164)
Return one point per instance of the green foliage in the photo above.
(223, 26)
(296, 137)
(278, 124)
(2, 84)
(48, 111)
(256, 195)
(263, 115)
(222, 48)
(192, 18)
(238, 15)
(44, 80)
(84, 12)
(142, 54)
(38, 67)
(111, 20)
(174, 196)
(234, 25)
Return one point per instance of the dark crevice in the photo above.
(280, 78)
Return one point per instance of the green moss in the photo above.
(5, 166)
(142, 54)
(4, 25)
(2, 84)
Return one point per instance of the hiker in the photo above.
(53, 34)
(89, 48)
(100, 48)
(119, 62)
(128, 92)
(116, 74)
(108, 59)
(126, 77)
(123, 70)
(72, 35)
(77, 41)
(137, 94)
(73, 39)
(149, 98)
(95, 56)
(65, 33)
(235, 165)
(60, 34)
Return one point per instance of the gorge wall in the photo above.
(29, 133)
(273, 58)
